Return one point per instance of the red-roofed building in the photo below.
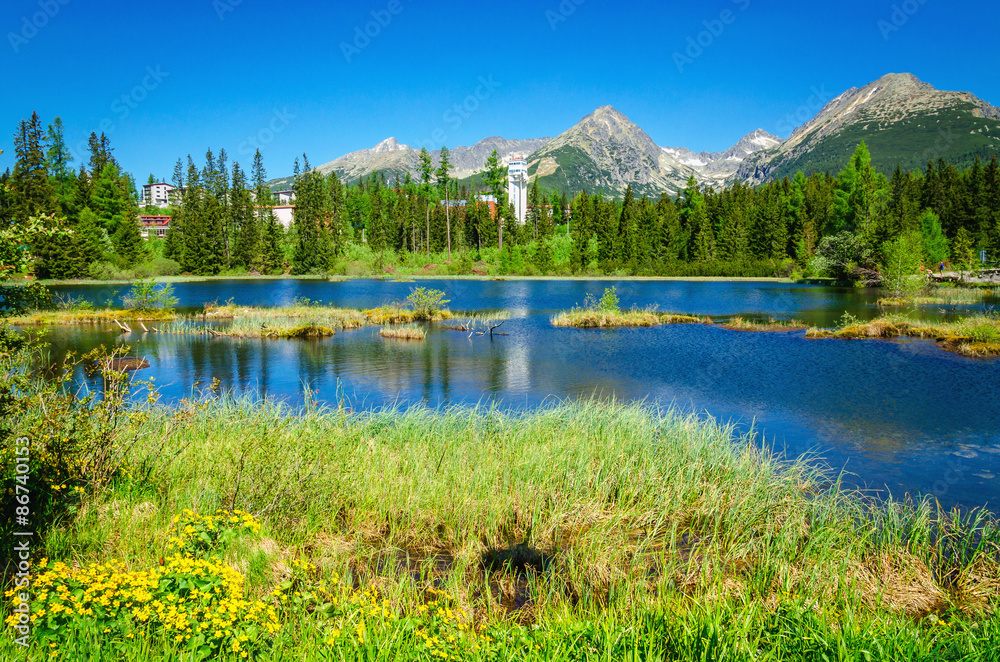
(154, 226)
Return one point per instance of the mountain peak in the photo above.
(903, 80)
(761, 138)
(389, 145)
(901, 118)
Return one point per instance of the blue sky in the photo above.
(177, 78)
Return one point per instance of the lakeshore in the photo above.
(577, 531)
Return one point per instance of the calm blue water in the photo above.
(897, 415)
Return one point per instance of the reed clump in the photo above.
(307, 318)
(760, 325)
(584, 318)
(409, 332)
(957, 295)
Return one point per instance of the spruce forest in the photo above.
(835, 225)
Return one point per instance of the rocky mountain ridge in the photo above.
(904, 120)
(895, 109)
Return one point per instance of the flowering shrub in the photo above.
(363, 618)
(197, 601)
(197, 535)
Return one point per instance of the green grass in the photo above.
(957, 295)
(598, 318)
(637, 533)
(181, 279)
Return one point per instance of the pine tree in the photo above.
(83, 197)
(107, 201)
(534, 208)
(190, 225)
(314, 250)
(59, 255)
(128, 242)
(963, 250)
(95, 245)
(444, 181)
(546, 221)
(795, 218)
(626, 249)
(494, 177)
(243, 218)
(57, 162)
(673, 240)
(31, 190)
(935, 243)
(272, 258)
(694, 221)
(101, 154)
(173, 243)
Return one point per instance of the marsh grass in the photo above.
(578, 531)
(957, 295)
(105, 316)
(761, 325)
(974, 336)
(596, 318)
(409, 332)
(943, 295)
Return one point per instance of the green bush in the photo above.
(609, 302)
(163, 266)
(426, 303)
(109, 271)
(145, 295)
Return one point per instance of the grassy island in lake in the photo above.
(974, 336)
(585, 318)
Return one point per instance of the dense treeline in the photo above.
(841, 226)
(94, 210)
(217, 225)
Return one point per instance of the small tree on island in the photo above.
(146, 296)
(901, 261)
(426, 303)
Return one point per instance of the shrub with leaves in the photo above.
(608, 303)
(145, 295)
(197, 535)
(426, 304)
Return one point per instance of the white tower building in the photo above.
(517, 186)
